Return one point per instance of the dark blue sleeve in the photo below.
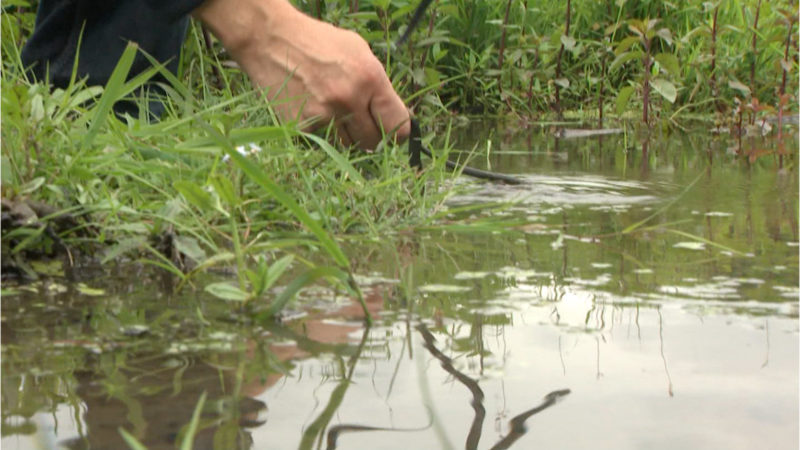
(103, 29)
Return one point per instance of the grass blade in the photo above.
(113, 91)
(132, 442)
(188, 438)
(300, 282)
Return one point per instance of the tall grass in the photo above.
(215, 182)
(535, 57)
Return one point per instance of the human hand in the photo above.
(314, 71)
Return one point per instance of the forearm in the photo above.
(311, 70)
(240, 24)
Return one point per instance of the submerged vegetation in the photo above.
(218, 182)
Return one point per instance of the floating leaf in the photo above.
(86, 290)
(227, 291)
(466, 275)
(49, 268)
(665, 88)
(443, 288)
(691, 245)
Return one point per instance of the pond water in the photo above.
(630, 298)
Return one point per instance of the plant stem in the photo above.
(210, 49)
(786, 52)
(502, 48)
(558, 64)
(646, 83)
(713, 81)
(754, 55)
(600, 90)
(424, 57)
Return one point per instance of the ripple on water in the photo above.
(564, 192)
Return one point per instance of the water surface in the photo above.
(631, 297)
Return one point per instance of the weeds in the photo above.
(217, 182)
(213, 183)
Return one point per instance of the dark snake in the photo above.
(415, 147)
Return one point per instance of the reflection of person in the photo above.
(322, 72)
(153, 397)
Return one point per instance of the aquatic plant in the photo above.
(640, 47)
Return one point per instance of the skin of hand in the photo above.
(313, 71)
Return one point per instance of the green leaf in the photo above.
(303, 280)
(277, 269)
(123, 246)
(187, 442)
(341, 161)
(625, 45)
(568, 42)
(665, 34)
(623, 97)
(227, 291)
(132, 442)
(224, 188)
(90, 291)
(741, 87)
(189, 247)
(195, 195)
(665, 88)
(257, 174)
(239, 136)
(625, 57)
(670, 63)
(31, 186)
(5, 170)
(111, 93)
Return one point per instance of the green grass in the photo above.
(178, 193)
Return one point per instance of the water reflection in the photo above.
(660, 292)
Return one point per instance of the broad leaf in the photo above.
(625, 57)
(227, 291)
(195, 195)
(665, 88)
(670, 63)
(568, 42)
(733, 84)
(623, 97)
(189, 247)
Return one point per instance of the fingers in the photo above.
(345, 138)
(390, 113)
(384, 115)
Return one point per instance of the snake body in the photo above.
(415, 147)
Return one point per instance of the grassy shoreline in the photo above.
(217, 181)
